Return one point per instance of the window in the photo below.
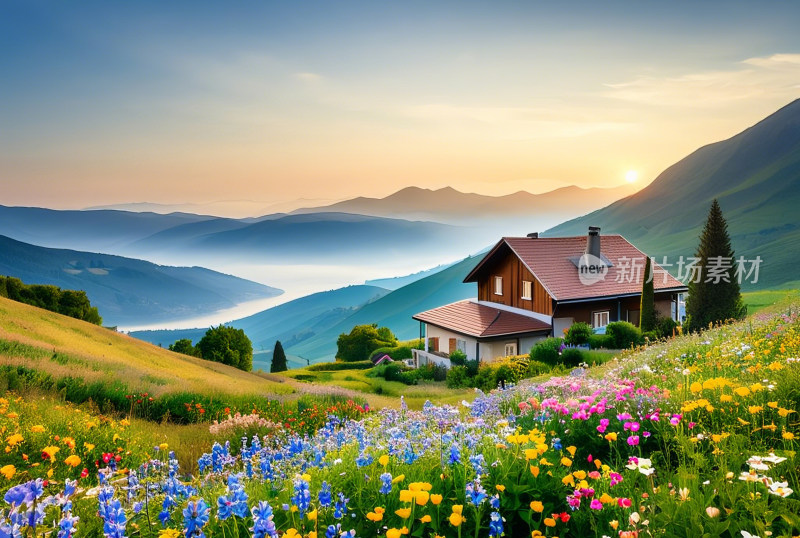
(600, 319)
(511, 349)
(527, 289)
(498, 285)
(461, 345)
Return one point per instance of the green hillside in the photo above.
(395, 309)
(62, 347)
(755, 176)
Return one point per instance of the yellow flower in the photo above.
(753, 409)
(163, 446)
(15, 439)
(696, 387)
(436, 499)
(403, 512)
(568, 480)
(785, 412)
(393, 533)
(788, 436)
(580, 475)
(425, 519)
(726, 398)
(500, 487)
(375, 516)
(458, 509)
(312, 515)
(455, 520)
(292, 533)
(8, 471)
(571, 450)
(384, 460)
(398, 478)
(406, 496)
(612, 436)
(566, 462)
(306, 477)
(772, 405)
(742, 391)
(613, 524)
(175, 533)
(73, 460)
(422, 498)
(51, 452)
(537, 506)
(534, 471)
(37, 429)
(115, 438)
(549, 522)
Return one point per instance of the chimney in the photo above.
(533, 235)
(593, 241)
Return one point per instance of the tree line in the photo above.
(72, 303)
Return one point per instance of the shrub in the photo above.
(578, 334)
(485, 378)
(666, 326)
(623, 334)
(184, 346)
(572, 357)
(537, 368)
(503, 374)
(651, 336)
(546, 351)
(458, 358)
(397, 353)
(597, 341)
(457, 377)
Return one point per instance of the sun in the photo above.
(631, 176)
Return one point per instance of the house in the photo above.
(533, 287)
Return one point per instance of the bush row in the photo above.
(67, 302)
(340, 365)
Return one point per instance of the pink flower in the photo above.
(624, 502)
(596, 505)
(633, 440)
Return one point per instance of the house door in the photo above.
(511, 349)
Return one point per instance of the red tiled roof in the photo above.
(478, 320)
(549, 259)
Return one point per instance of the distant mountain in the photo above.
(395, 309)
(82, 230)
(308, 238)
(447, 205)
(128, 291)
(755, 175)
(393, 283)
(291, 323)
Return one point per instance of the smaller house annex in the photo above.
(529, 288)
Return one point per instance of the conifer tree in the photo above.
(647, 311)
(278, 359)
(714, 293)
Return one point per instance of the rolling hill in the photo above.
(129, 291)
(755, 175)
(65, 347)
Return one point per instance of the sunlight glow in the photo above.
(631, 176)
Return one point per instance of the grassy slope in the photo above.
(95, 353)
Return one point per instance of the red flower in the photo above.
(85, 472)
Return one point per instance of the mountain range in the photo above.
(128, 291)
(755, 175)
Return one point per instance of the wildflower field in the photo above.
(696, 436)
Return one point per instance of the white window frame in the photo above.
(513, 347)
(527, 294)
(498, 285)
(600, 313)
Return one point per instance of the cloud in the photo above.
(774, 76)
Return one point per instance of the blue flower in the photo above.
(302, 496)
(340, 508)
(475, 492)
(386, 483)
(66, 527)
(263, 525)
(195, 516)
(325, 495)
(495, 524)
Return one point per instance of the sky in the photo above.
(268, 102)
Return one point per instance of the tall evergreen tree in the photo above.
(278, 359)
(647, 309)
(714, 293)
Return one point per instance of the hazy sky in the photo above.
(173, 102)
